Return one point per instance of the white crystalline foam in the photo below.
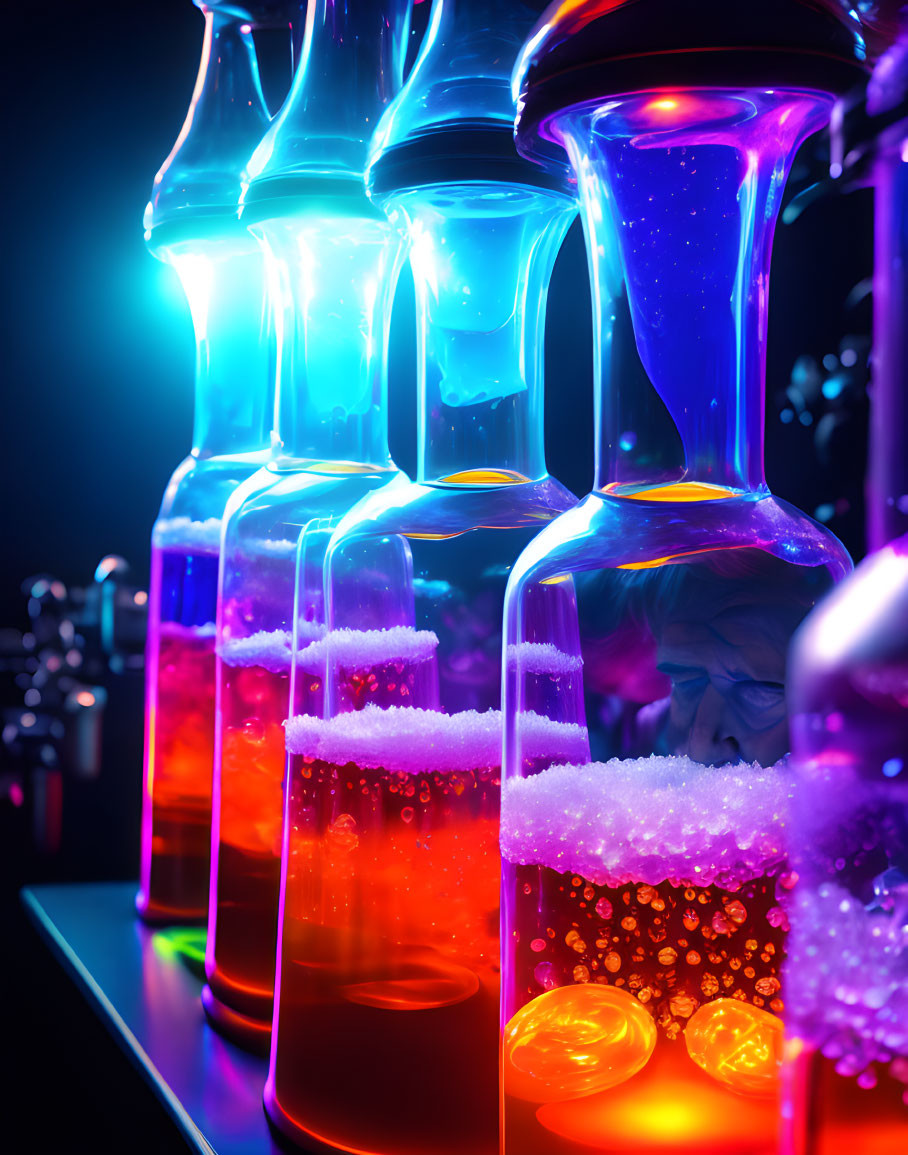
(361, 649)
(418, 741)
(542, 658)
(270, 649)
(648, 820)
(184, 533)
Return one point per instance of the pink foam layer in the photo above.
(649, 820)
(362, 649)
(185, 534)
(175, 630)
(270, 649)
(542, 658)
(424, 741)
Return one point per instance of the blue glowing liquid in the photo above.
(189, 587)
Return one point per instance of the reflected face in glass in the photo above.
(723, 645)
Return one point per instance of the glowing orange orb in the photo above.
(738, 1044)
(575, 1041)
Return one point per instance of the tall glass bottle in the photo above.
(848, 698)
(389, 929)
(332, 262)
(191, 223)
(644, 888)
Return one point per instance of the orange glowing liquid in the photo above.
(180, 754)
(703, 962)
(249, 801)
(387, 1030)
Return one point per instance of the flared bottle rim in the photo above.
(586, 51)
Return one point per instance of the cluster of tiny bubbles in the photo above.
(847, 979)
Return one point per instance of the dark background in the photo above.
(97, 408)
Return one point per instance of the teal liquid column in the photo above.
(645, 886)
(389, 930)
(191, 224)
(332, 262)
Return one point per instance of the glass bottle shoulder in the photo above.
(441, 510)
(662, 525)
(848, 697)
(273, 503)
(198, 492)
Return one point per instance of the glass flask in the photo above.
(388, 952)
(191, 223)
(645, 884)
(847, 967)
(332, 263)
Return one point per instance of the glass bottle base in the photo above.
(155, 914)
(251, 1034)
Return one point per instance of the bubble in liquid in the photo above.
(709, 985)
(693, 958)
(767, 986)
(738, 1044)
(546, 975)
(612, 961)
(736, 911)
(581, 974)
(646, 894)
(691, 919)
(629, 923)
(575, 942)
(777, 917)
(668, 956)
(575, 1041)
(408, 814)
(683, 1005)
(604, 908)
(538, 944)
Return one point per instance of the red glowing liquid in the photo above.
(179, 753)
(386, 1031)
(676, 950)
(249, 808)
(849, 1119)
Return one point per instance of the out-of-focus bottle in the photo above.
(847, 971)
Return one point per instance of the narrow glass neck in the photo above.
(331, 284)
(351, 65)
(680, 192)
(482, 257)
(224, 283)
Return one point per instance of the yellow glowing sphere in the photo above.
(738, 1044)
(575, 1041)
